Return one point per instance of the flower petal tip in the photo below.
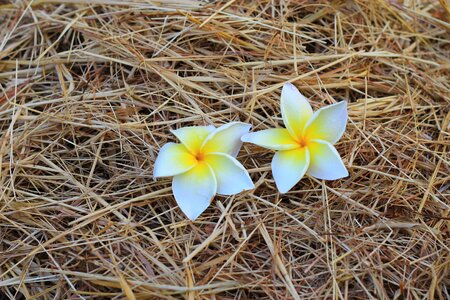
(193, 215)
(250, 186)
(345, 174)
(341, 105)
(290, 86)
(282, 190)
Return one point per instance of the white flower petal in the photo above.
(274, 138)
(231, 176)
(173, 159)
(328, 123)
(194, 190)
(325, 162)
(288, 167)
(295, 109)
(193, 137)
(226, 138)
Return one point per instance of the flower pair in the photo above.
(205, 162)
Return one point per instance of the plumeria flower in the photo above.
(306, 144)
(204, 164)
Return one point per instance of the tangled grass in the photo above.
(89, 90)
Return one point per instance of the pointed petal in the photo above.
(274, 138)
(231, 176)
(288, 167)
(193, 137)
(325, 161)
(194, 190)
(328, 123)
(226, 138)
(295, 109)
(173, 159)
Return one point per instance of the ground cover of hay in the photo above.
(90, 90)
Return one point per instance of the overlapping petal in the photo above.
(226, 138)
(231, 176)
(295, 110)
(194, 190)
(289, 166)
(274, 138)
(328, 123)
(193, 137)
(173, 159)
(325, 162)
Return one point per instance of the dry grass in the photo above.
(89, 90)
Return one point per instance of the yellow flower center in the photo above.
(200, 156)
(302, 142)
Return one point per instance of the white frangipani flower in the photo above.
(204, 164)
(306, 144)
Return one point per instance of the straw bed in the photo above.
(90, 89)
